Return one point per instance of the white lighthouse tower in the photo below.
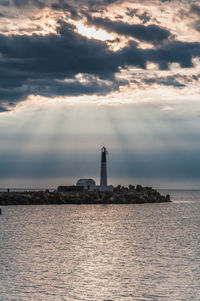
(103, 176)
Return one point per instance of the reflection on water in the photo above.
(90, 252)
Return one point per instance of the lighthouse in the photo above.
(90, 185)
(103, 175)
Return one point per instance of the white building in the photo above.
(87, 184)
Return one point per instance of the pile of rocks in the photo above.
(120, 195)
(29, 198)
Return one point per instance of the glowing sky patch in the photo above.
(93, 33)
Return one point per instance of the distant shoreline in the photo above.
(54, 189)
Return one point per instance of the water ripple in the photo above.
(100, 253)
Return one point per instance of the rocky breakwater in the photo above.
(120, 195)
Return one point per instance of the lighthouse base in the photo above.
(109, 188)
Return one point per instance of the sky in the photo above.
(78, 75)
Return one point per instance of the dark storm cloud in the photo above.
(174, 52)
(39, 65)
(63, 54)
(150, 33)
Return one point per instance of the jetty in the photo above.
(119, 195)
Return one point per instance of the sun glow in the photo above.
(93, 33)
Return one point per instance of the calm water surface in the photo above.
(102, 252)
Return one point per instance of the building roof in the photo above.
(84, 182)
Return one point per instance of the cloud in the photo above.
(165, 81)
(195, 9)
(176, 80)
(63, 54)
(66, 5)
(22, 3)
(49, 65)
(145, 17)
(195, 17)
(174, 52)
(150, 33)
(40, 64)
(61, 5)
(5, 3)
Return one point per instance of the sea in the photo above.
(136, 252)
